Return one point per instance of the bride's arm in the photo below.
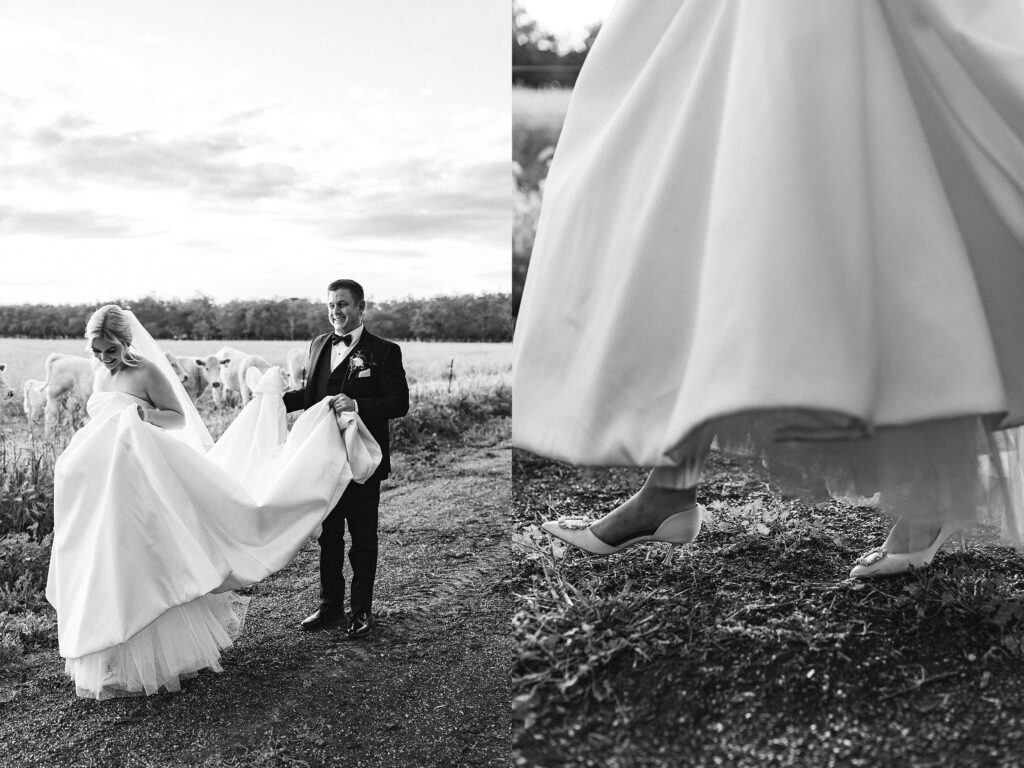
(167, 412)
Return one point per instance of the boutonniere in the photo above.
(356, 363)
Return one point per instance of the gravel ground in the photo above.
(429, 687)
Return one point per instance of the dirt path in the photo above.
(430, 686)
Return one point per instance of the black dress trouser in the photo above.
(358, 508)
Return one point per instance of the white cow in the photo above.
(5, 390)
(214, 367)
(68, 386)
(195, 370)
(33, 398)
(6, 393)
(68, 374)
(296, 366)
(176, 367)
(234, 365)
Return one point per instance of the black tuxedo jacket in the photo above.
(379, 388)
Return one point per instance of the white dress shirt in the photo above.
(339, 350)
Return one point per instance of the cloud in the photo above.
(469, 203)
(65, 223)
(212, 165)
(245, 116)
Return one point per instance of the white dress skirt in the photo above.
(152, 535)
(795, 225)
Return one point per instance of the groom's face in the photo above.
(344, 312)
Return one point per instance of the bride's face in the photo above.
(107, 352)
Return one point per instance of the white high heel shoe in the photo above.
(881, 562)
(680, 528)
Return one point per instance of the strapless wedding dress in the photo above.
(151, 534)
(788, 221)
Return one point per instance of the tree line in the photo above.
(463, 317)
(538, 59)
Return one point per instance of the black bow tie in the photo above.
(346, 339)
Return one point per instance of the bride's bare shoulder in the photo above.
(151, 379)
(139, 364)
(147, 369)
(143, 371)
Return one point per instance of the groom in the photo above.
(364, 374)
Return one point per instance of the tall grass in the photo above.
(26, 525)
(537, 117)
(525, 215)
(26, 489)
(435, 414)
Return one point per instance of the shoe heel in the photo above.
(682, 527)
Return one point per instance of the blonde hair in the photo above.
(111, 323)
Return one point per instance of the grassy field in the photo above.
(452, 385)
(424, 361)
(537, 116)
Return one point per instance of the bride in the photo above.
(154, 525)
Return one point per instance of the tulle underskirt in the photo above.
(179, 643)
(927, 473)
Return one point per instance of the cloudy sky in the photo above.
(249, 148)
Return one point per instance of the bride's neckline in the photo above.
(120, 392)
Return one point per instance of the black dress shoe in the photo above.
(323, 617)
(360, 624)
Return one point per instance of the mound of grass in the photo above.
(753, 647)
(437, 415)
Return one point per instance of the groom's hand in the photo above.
(342, 403)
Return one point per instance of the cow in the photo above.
(68, 374)
(296, 366)
(68, 387)
(176, 367)
(195, 369)
(33, 398)
(6, 393)
(214, 367)
(234, 365)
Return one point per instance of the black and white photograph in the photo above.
(768, 383)
(255, 384)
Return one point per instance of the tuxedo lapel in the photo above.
(318, 348)
(315, 389)
(317, 352)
